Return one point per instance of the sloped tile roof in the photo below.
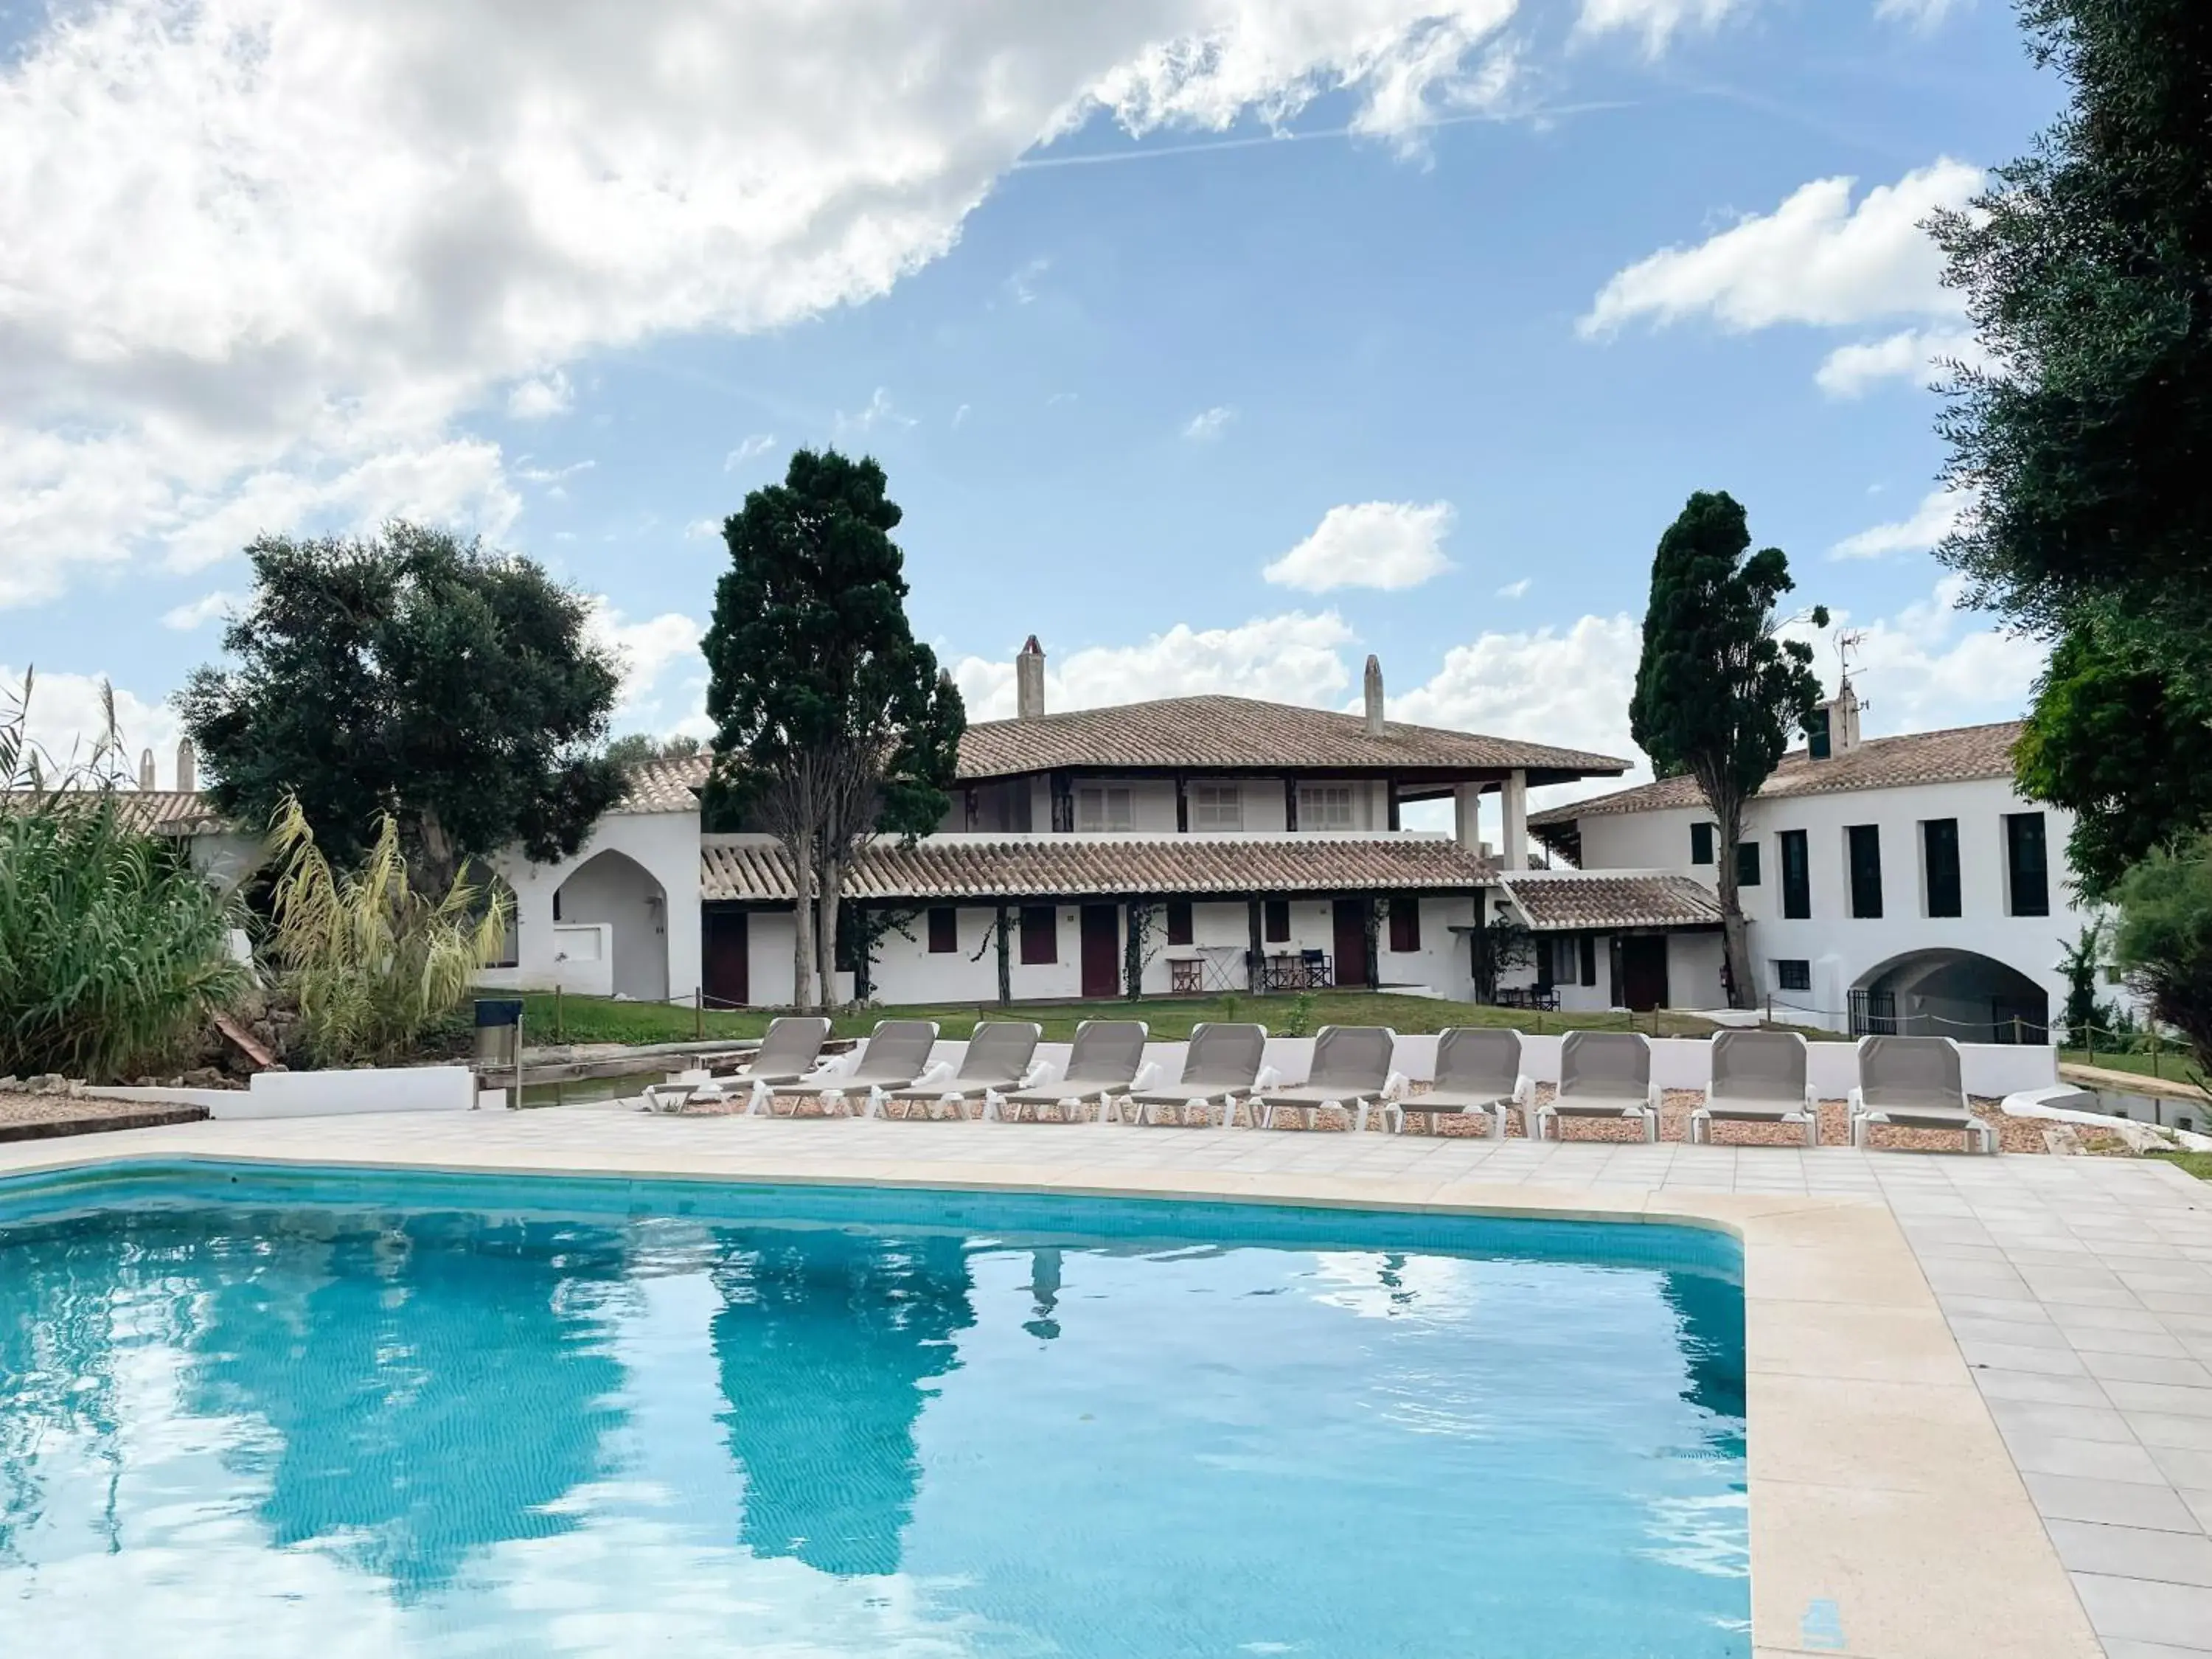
(1246, 734)
(1574, 901)
(1959, 754)
(666, 785)
(1069, 867)
(148, 811)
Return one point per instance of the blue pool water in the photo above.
(248, 1413)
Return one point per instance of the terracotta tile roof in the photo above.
(666, 785)
(1243, 733)
(1957, 756)
(1574, 901)
(1069, 867)
(150, 811)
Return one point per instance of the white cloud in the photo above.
(879, 411)
(1933, 665)
(648, 651)
(1657, 21)
(1566, 686)
(201, 612)
(1388, 545)
(1516, 590)
(1920, 356)
(1293, 658)
(1208, 424)
(1937, 517)
(1022, 284)
(375, 219)
(66, 721)
(541, 395)
(1921, 14)
(758, 444)
(1815, 259)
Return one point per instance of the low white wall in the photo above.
(326, 1094)
(1991, 1070)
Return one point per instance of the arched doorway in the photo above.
(1954, 994)
(615, 889)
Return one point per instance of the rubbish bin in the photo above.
(499, 1041)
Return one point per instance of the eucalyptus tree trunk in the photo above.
(825, 928)
(802, 915)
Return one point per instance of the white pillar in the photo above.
(1513, 833)
(1466, 816)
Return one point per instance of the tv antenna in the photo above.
(1847, 641)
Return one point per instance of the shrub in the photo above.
(374, 965)
(113, 950)
(2163, 942)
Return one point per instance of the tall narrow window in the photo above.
(1939, 853)
(1278, 920)
(1746, 864)
(2027, 867)
(1180, 931)
(1818, 741)
(1864, 841)
(1589, 964)
(1040, 934)
(944, 930)
(1701, 843)
(1405, 924)
(1796, 876)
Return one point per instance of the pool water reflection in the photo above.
(240, 1427)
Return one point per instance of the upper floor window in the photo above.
(1101, 809)
(1863, 842)
(1819, 740)
(1796, 875)
(1325, 806)
(2027, 868)
(1215, 807)
(1939, 856)
(1746, 864)
(1701, 843)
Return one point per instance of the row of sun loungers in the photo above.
(1758, 1077)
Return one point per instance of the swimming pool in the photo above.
(251, 1411)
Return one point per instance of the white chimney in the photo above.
(1028, 682)
(1374, 697)
(187, 767)
(1835, 728)
(146, 769)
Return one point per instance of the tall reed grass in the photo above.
(113, 950)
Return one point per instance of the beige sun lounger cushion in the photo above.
(1478, 1071)
(1915, 1083)
(999, 1054)
(788, 1051)
(1104, 1061)
(1758, 1077)
(1221, 1064)
(1351, 1068)
(1604, 1074)
(897, 1053)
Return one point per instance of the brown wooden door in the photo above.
(1351, 951)
(1102, 950)
(1643, 971)
(725, 974)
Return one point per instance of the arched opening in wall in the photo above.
(1955, 993)
(611, 890)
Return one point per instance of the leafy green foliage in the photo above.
(374, 965)
(2108, 740)
(415, 676)
(2087, 268)
(833, 722)
(113, 950)
(635, 748)
(2085, 1017)
(2164, 941)
(1717, 694)
(1501, 944)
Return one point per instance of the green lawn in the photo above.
(591, 1019)
(2172, 1065)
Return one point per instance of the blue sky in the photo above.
(1217, 343)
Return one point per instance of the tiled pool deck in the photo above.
(1971, 1380)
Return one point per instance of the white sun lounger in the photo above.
(999, 1054)
(1758, 1077)
(1221, 1064)
(1915, 1083)
(786, 1053)
(1102, 1061)
(1350, 1069)
(1477, 1071)
(896, 1056)
(1602, 1074)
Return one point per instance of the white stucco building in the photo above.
(1891, 885)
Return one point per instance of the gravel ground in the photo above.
(34, 1117)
